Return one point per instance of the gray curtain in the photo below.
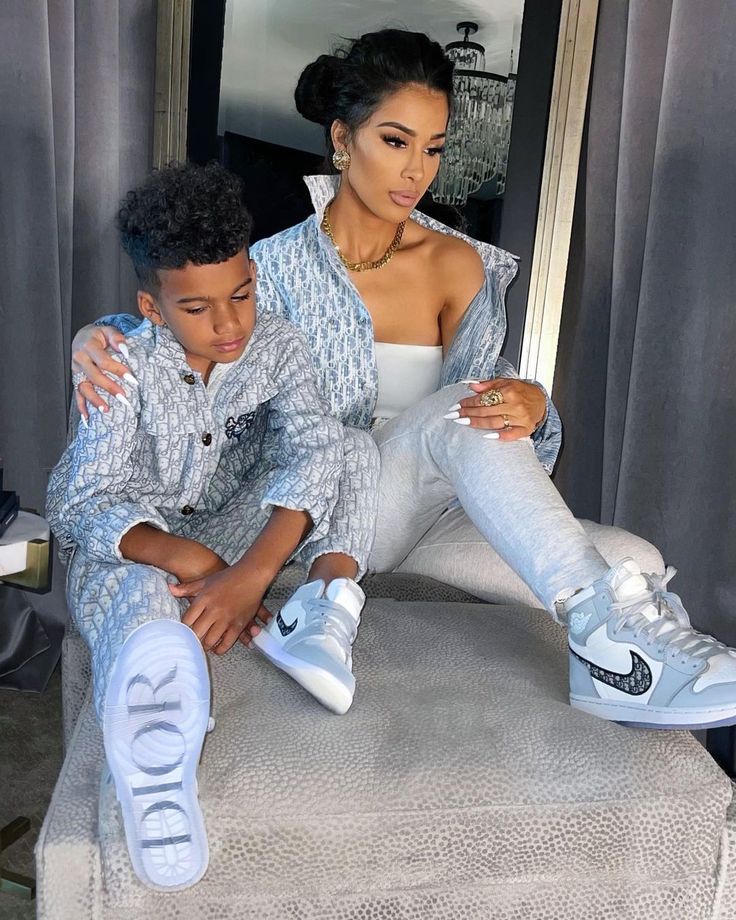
(76, 113)
(645, 374)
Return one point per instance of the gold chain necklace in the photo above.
(363, 266)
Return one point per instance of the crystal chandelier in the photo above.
(480, 126)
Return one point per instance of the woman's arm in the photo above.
(473, 326)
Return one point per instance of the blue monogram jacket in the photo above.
(301, 278)
(184, 447)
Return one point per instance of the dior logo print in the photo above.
(234, 427)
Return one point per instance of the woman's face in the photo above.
(395, 155)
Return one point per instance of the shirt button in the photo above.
(207, 439)
(187, 509)
(190, 379)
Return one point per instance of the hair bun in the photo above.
(315, 91)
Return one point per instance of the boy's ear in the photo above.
(148, 308)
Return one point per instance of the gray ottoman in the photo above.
(460, 785)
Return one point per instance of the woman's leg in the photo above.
(428, 461)
(455, 552)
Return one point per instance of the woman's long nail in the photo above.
(469, 381)
(84, 421)
(492, 436)
(452, 415)
(131, 379)
(461, 421)
(123, 349)
(455, 407)
(124, 401)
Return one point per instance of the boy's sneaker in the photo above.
(634, 658)
(311, 638)
(156, 713)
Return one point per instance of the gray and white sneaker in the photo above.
(311, 639)
(634, 657)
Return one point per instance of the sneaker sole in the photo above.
(153, 750)
(653, 717)
(325, 687)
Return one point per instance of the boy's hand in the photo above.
(193, 561)
(221, 607)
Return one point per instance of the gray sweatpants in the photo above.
(483, 515)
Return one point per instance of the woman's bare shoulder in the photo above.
(451, 252)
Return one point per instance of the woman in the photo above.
(400, 312)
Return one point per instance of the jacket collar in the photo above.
(322, 189)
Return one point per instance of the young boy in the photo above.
(220, 464)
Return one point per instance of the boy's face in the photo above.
(210, 309)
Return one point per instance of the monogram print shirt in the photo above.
(183, 448)
(301, 277)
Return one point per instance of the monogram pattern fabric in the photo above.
(208, 463)
(301, 278)
(172, 455)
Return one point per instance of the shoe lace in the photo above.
(336, 621)
(671, 628)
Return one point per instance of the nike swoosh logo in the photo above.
(636, 682)
(283, 628)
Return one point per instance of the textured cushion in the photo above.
(76, 669)
(460, 785)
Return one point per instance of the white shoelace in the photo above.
(336, 621)
(672, 627)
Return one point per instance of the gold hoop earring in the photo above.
(341, 160)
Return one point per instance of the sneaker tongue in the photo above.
(347, 594)
(627, 580)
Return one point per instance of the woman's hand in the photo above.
(518, 416)
(90, 359)
(221, 607)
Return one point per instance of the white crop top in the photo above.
(406, 374)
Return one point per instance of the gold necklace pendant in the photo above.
(363, 266)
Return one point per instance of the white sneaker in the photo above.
(156, 713)
(635, 658)
(311, 639)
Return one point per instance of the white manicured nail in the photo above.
(461, 421)
(452, 415)
(454, 408)
(492, 436)
(84, 421)
(470, 381)
(123, 349)
(130, 378)
(124, 401)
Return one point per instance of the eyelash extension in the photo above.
(394, 139)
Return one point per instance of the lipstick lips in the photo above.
(230, 346)
(404, 199)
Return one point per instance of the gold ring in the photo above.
(491, 398)
(506, 422)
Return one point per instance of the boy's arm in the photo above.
(224, 603)
(305, 443)
(89, 502)
(184, 558)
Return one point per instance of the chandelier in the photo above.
(479, 132)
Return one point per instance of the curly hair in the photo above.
(183, 214)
